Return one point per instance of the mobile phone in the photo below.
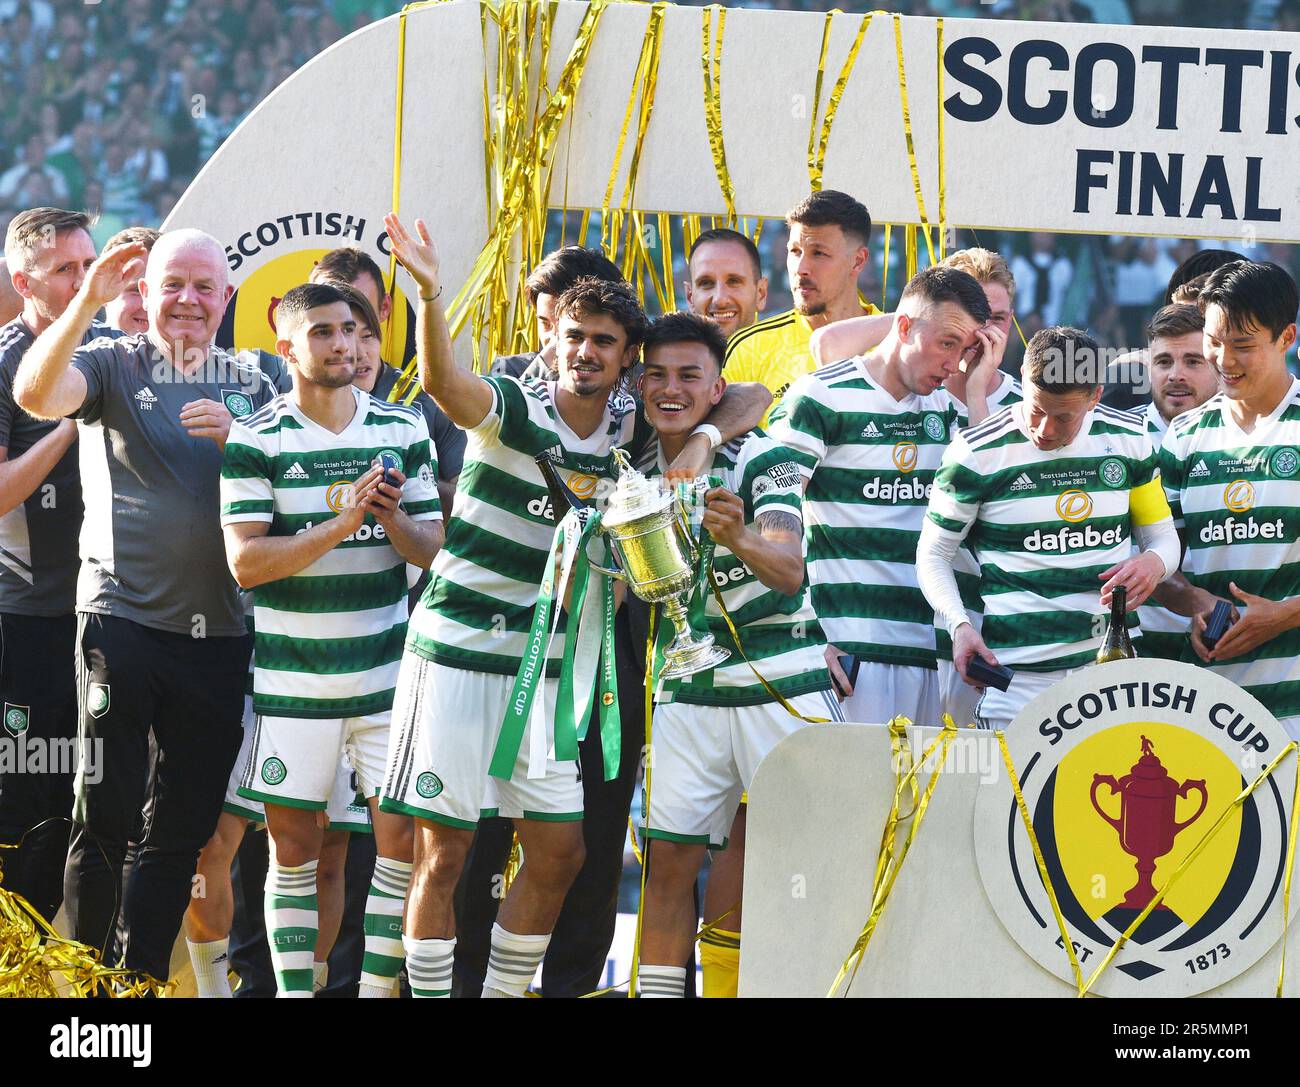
(389, 462)
(1217, 625)
(849, 665)
(991, 675)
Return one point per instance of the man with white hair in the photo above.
(161, 644)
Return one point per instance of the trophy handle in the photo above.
(615, 571)
(683, 527)
(1205, 797)
(1098, 780)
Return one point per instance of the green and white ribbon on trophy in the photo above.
(587, 663)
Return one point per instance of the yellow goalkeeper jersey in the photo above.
(775, 352)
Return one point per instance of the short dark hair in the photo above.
(733, 237)
(1177, 319)
(347, 265)
(682, 327)
(1190, 291)
(831, 208)
(590, 295)
(1202, 262)
(360, 303)
(29, 229)
(294, 305)
(134, 235)
(942, 283)
(1253, 295)
(561, 269)
(1062, 360)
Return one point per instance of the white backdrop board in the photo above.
(1064, 127)
(967, 916)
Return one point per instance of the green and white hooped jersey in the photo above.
(780, 634)
(870, 462)
(328, 640)
(964, 566)
(1236, 496)
(1164, 633)
(478, 609)
(1043, 524)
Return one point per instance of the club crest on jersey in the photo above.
(1239, 495)
(1113, 472)
(428, 785)
(237, 403)
(98, 699)
(1123, 775)
(905, 456)
(1074, 506)
(17, 718)
(274, 771)
(934, 427)
(1284, 463)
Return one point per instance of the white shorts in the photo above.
(345, 809)
(294, 761)
(883, 691)
(997, 709)
(445, 727)
(957, 698)
(704, 757)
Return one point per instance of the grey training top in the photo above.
(38, 537)
(151, 544)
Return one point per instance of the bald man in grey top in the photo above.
(161, 642)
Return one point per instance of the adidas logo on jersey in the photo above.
(296, 471)
(146, 399)
(871, 431)
(1022, 483)
(1198, 469)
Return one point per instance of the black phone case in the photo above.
(991, 675)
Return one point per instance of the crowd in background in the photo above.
(115, 106)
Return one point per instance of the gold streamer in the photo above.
(35, 961)
(1290, 864)
(772, 692)
(887, 865)
(514, 861)
(1219, 823)
(713, 105)
(1038, 860)
(907, 135)
(884, 287)
(817, 159)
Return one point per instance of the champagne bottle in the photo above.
(1117, 644)
(562, 499)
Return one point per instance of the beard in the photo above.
(805, 309)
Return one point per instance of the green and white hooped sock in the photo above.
(292, 922)
(428, 966)
(384, 951)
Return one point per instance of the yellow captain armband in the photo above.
(1147, 504)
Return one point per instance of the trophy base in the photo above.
(685, 658)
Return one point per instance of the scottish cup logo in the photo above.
(1124, 772)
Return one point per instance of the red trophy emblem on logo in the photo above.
(1147, 825)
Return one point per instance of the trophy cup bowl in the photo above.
(655, 555)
